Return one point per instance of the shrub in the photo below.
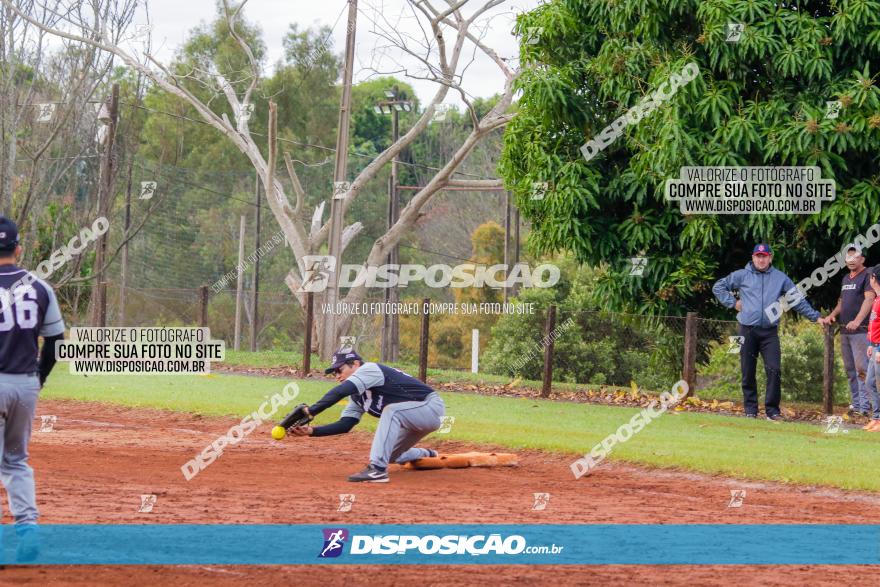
(803, 351)
(591, 347)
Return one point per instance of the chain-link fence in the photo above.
(597, 348)
(515, 340)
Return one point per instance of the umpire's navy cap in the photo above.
(341, 357)
(8, 235)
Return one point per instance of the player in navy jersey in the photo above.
(408, 410)
(28, 310)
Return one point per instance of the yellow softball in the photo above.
(278, 432)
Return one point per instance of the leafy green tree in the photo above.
(590, 346)
(370, 126)
(451, 333)
(371, 134)
(184, 143)
(304, 87)
(759, 101)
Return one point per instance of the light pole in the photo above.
(328, 339)
(394, 104)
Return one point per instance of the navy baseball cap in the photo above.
(341, 357)
(762, 249)
(8, 235)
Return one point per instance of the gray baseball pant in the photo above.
(401, 426)
(18, 404)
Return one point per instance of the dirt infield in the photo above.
(98, 460)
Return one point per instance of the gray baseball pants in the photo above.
(18, 404)
(401, 426)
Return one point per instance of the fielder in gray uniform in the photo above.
(408, 410)
(28, 310)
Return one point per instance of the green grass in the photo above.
(728, 388)
(267, 359)
(756, 449)
(263, 359)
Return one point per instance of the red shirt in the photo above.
(874, 325)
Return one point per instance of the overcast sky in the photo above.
(173, 19)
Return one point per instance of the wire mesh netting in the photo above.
(589, 347)
(188, 226)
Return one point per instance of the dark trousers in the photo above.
(763, 341)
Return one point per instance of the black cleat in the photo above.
(371, 474)
(775, 417)
(751, 415)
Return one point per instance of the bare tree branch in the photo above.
(441, 53)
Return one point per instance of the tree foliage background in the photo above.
(759, 101)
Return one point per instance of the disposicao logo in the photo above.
(334, 540)
(472, 545)
(404, 544)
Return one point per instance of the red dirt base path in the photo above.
(99, 459)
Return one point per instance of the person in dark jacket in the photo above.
(759, 285)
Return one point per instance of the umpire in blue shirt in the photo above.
(759, 286)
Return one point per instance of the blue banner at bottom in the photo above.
(567, 544)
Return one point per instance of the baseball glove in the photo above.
(298, 417)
